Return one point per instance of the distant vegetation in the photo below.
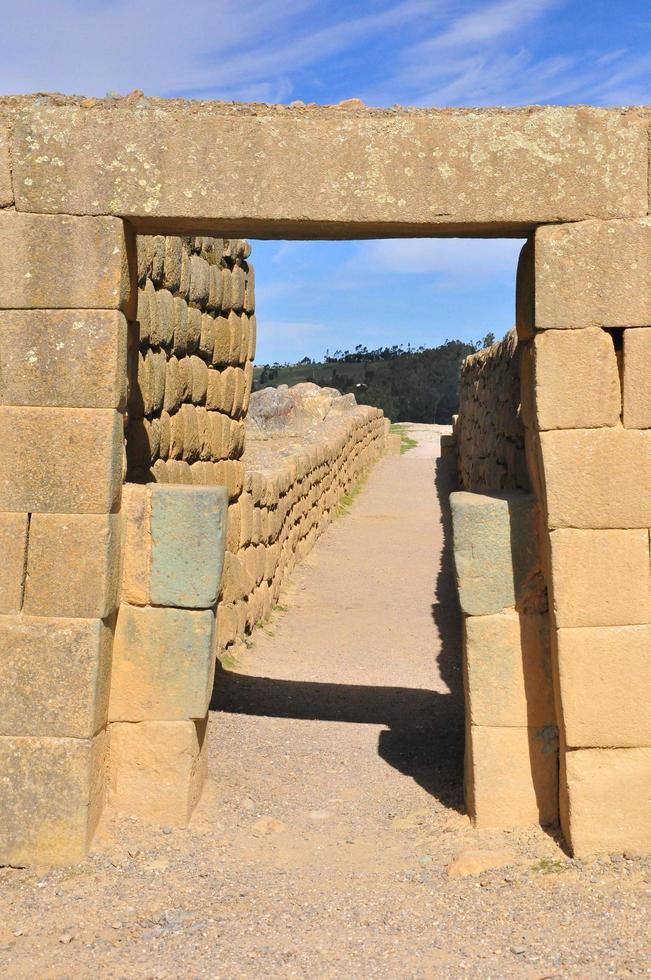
(415, 385)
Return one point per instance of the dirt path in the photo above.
(322, 844)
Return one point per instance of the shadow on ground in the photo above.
(424, 729)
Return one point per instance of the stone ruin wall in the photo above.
(489, 431)
(575, 179)
(191, 367)
(511, 759)
(581, 415)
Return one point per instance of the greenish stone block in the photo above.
(495, 550)
(162, 664)
(188, 535)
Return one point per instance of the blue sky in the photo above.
(412, 52)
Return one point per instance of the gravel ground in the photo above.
(322, 845)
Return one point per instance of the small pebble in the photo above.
(65, 938)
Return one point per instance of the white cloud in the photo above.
(484, 57)
(488, 23)
(470, 262)
(203, 48)
(443, 52)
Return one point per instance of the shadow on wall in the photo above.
(424, 729)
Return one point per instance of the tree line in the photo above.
(408, 384)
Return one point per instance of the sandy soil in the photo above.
(321, 846)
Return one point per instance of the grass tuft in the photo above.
(549, 866)
(406, 441)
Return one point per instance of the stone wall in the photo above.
(489, 431)
(585, 397)
(79, 176)
(306, 449)
(511, 757)
(164, 650)
(191, 365)
(511, 771)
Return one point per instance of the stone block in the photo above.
(593, 274)
(507, 670)
(253, 330)
(60, 460)
(498, 169)
(53, 794)
(6, 189)
(637, 378)
(605, 679)
(188, 530)
(157, 770)
(226, 625)
(495, 550)
(174, 545)
(73, 565)
(525, 292)
(576, 379)
(162, 664)
(60, 262)
(136, 550)
(54, 676)
(609, 801)
(601, 578)
(594, 477)
(513, 774)
(66, 358)
(13, 548)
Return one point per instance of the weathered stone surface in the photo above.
(637, 378)
(53, 791)
(62, 262)
(174, 545)
(60, 460)
(605, 679)
(162, 664)
(73, 565)
(525, 292)
(54, 676)
(513, 777)
(67, 358)
(188, 529)
(157, 770)
(609, 800)
(494, 549)
(489, 429)
(601, 578)
(508, 670)
(136, 552)
(594, 477)
(13, 548)
(474, 862)
(385, 170)
(6, 189)
(594, 274)
(576, 379)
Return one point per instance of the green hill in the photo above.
(414, 386)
